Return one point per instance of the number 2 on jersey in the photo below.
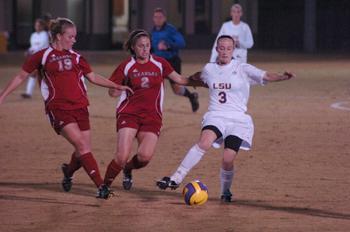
(144, 82)
(222, 96)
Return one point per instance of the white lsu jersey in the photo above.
(229, 85)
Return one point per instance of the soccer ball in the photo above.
(195, 193)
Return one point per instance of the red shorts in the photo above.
(60, 118)
(145, 123)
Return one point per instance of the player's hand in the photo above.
(125, 88)
(162, 46)
(196, 76)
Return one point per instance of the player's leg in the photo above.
(81, 140)
(232, 145)
(30, 86)
(194, 155)
(147, 144)
(125, 138)
(68, 171)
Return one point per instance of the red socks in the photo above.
(89, 163)
(74, 164)
(113, 170)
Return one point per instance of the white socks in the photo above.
(30, 85)
(193, 156)
(226, 178)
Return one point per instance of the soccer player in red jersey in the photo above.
(139, 115)
(62, 72)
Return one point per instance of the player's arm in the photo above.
(247, 41)
(193, 80)
(178, 40)
(101, 81)
(272, 77)
(13, 84)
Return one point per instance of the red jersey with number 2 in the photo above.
(62, 83)
(146, 80)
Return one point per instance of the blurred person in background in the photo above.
(240, 32)
(166, 42)
(38, 41)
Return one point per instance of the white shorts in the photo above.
(231, 123)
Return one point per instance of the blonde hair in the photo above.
(237, 6)
(58, 26)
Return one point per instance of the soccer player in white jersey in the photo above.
(38, 40)
(240, 32)
(226, 121)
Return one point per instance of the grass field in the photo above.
(296, 177)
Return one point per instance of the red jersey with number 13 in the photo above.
(146, 80)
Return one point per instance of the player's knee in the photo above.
(82, 145)
(121, 158)
(204, 145)
(144, 156)
(120, 161)
(229, 157)
(227, 165)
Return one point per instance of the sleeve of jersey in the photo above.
(32, 62)
(117, 76)
(254, 74)
(167, 68)
(84, 65)
(205, 74)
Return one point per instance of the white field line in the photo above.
(342, 105)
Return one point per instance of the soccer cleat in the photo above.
(127, 180)
(104, 192)
(194, 101)
(67, 180)
(26, 96)
(166, 182)
(226, 196)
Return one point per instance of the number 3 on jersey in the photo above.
(144, 82)
(222, 96)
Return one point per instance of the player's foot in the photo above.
(194, 101)
(226, 196)
(127, 180)
(26, 96)
(166, 182)
(104, 192)
(67, 180)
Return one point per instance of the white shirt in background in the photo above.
(38, 41)
(243, 33)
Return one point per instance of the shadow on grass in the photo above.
(147, 195)
(289, 209)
